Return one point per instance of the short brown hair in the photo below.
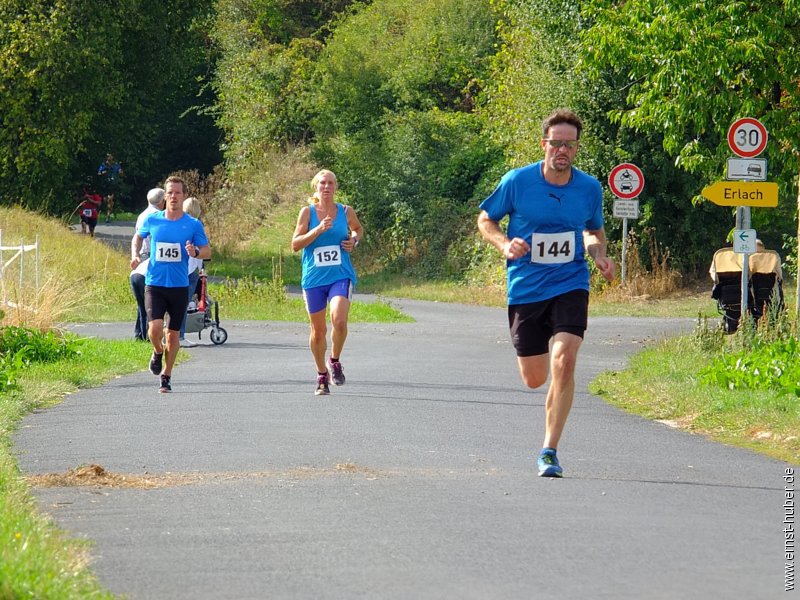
(562, 115)
(176, 179)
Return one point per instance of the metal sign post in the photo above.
(624, 249)
(743, 222)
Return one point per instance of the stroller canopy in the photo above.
(726, 261)
(763, 286)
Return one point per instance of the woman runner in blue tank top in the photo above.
(327, 232)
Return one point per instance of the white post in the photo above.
(21, 265)
(37, 263)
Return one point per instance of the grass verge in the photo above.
(36, 559)
(662, 383)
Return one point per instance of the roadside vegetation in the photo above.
(38, 370)
(742, 390)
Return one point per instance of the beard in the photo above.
(560, 164)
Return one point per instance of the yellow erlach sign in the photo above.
(742, 193)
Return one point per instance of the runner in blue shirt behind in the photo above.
(174, 237)
(327, 232)
(555, 217)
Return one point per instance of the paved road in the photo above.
(116, 233)
(417, 479)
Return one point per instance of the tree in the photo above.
(54, 85)
(80, 78)
(395, 97)
(162, 120)
(265, 74)
(691, 68)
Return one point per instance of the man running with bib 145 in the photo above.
(175, 236)
(555, 216)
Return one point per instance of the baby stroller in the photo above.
(764, 286)
(199, 313)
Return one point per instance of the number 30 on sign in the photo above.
(747, 137)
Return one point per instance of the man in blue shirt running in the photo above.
(555, 216)
(174, 237)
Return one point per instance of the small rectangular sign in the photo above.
(626, 209)
(744, 241)
(747, 169)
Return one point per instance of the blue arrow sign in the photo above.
(744, 241)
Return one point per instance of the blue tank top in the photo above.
(324, 261)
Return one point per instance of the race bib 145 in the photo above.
(166, 252)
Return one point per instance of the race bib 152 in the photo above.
(327, 256)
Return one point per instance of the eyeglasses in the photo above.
(571, 144)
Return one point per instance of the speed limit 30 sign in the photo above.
(747, 137)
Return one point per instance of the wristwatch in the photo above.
(196, 251)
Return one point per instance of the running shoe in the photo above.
(322, 385)
(166, 385)
(548, 464)
(184, 343)
(155, 363)
(336, 369)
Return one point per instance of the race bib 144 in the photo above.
(553, 248)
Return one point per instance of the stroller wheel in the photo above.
(218, 335)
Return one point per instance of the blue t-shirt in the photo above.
(552, 219)
(169, 261)
(324, 261)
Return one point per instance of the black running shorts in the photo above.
(532, 325)
(159, 301)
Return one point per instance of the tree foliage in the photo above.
(397, 88)
(52, 60)
(691, 69)
(418, 105)
(383, 92)
(265, 75)
(80, 78)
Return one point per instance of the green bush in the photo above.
(21, 346)
(762, 357)
(772, 366)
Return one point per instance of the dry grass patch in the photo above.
(72, 269)
(641, 283)
(96, 476)
(234, 209)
